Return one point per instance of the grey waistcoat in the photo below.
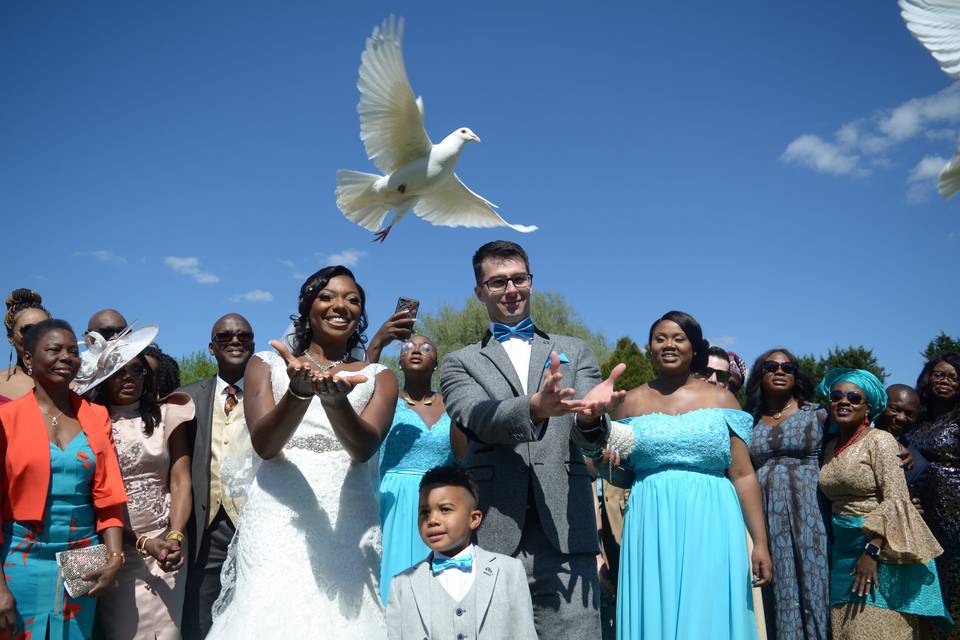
(450, 620)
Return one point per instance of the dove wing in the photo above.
(454, 205)
(936, 24)
(391, 120)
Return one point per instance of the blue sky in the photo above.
(768, 167)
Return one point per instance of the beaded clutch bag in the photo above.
(75, 563)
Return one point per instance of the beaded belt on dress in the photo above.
(318, 443)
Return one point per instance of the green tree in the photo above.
(858, 357)
(941, 344)
(639, 365)
(196, 366)
(450, 328)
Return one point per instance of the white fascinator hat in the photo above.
(103, 358)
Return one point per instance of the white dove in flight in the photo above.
(936, 24)
(419, 175)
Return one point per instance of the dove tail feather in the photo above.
(949, 183)
(357, 200)
(523, 228)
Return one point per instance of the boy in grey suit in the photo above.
(528, 401)
(460, 591)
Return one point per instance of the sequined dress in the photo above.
(939, 492)
(305, 562)
(787, 459)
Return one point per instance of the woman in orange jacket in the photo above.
(60, 486)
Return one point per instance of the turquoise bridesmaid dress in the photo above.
(44, 610)
(410, 449)
(684, 571)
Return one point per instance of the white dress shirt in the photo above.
(518, 350)
(455, 582)
(221, 391)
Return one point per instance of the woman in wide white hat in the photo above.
(153, 447)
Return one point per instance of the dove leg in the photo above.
(381, 235)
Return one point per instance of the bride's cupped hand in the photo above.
(301, 375)
(332, 388)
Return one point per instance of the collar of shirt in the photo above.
(458, 583)
(222, 387)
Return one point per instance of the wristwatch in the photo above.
(873, 551)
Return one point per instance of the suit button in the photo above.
(521, 467)
(459, 611)
(460, 636)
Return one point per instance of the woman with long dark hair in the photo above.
(787, 442)
(306, 554)
(937, 438)
(684, 571)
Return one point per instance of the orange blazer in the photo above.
(25, 472)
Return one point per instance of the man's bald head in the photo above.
(231, 344)
(229, 320)
(107, 322)
(903, 391)
(903, 405)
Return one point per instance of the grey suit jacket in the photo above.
(202, 394)
(484, 397)
(503, 601)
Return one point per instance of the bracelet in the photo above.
(178, 536)
(117, 554)
(142, 546)
(298, 396)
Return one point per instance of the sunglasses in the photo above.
(426, 347)
(226, 337)
(723, 375)
(136, 372)
(772, 366)
(853, 397)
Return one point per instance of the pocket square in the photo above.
(564, 359)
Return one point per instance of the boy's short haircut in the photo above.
(447, 475)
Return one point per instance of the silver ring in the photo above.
(869, 581)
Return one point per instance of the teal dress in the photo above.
(28, 551)
(684, 571)
(410, 449)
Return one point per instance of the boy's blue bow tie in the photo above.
(465, 564)
(523, 329)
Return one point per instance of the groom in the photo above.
(527, 400)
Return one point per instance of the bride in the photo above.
(306, 558)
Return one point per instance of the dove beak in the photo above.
(475, 137)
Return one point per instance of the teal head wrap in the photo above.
(873, 391)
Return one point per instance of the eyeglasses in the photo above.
(426, 347)
(943, 375)
(722, 375)
(136, 372)
(226, 337)
(499, 283)
(854, 397)
(771, 366)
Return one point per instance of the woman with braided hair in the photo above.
(24, 309)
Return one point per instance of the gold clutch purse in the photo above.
(75, 563)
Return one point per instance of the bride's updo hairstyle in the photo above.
(302, 335)
(693, 332)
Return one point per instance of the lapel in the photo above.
(205, 401)
(486, 577)
(495, 352)
(539, 352)
(420, 584)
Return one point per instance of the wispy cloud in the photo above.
(191, 267)
(347, 257)
(256, 295)
(861, 146)
(724, 341)
(295, 272)
(102, 255)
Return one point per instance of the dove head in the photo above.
(463, 135)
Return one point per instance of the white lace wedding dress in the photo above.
(305, 562)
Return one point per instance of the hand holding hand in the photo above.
(602, 399)
(551, 401)
(103, 576)
(169, 554)
(916, 503)
(298, 372)
(8, 608)
(761, 565)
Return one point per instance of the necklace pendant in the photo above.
(54, 421)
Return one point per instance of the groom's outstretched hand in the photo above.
(552, 401)
(602, 399)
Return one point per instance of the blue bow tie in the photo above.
(523, 330)
(464, 564)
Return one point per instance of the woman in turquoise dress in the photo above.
(419, 439)
(62, 487)
(682, 448)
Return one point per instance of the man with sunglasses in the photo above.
(220, 433)
(528, 401)
(107, 322)
(717, 371)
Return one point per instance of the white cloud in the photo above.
(860, 146)
(347, 257)
(103, 255)
(814, 152)
(723, 341)
(289, 264)
(256, 295)
(191, 267)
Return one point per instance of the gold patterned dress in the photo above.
(147, 602)
(869, 498)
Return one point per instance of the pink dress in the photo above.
(147, 602)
